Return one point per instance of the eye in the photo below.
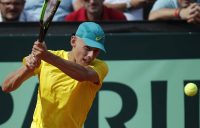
(96, 50)
(87, 48)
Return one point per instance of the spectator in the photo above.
(10, 10)
(94, 10)
(32, 10)
(176, 9)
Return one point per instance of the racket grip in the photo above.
(41, 35)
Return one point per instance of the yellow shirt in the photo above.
(64, 102)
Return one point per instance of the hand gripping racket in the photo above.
(47, 13)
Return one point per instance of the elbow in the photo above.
(81, 79)
(5, 89)
(154, 15)
(151, 17)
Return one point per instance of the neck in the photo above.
(10, 20)
(95, 16)
(92, 17)
(71, 56)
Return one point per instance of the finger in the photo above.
(193, 15)
(191, 20)
(37, 42)
(197, 19)
(37, 54)
(39, 47)
(193, 5)
(195, 8)
(36, 60)
(32, 63)
(29, 65)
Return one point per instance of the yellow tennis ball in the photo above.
(190, 89)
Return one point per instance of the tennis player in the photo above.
(69, 80)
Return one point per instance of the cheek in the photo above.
(80, 54)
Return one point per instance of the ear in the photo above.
(73, 41)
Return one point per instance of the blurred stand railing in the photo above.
(60, 28)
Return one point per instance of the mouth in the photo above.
(186, 2)
(86, 61)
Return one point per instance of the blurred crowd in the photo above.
(103, 10)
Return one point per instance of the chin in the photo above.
(83, 63)
(86, 63)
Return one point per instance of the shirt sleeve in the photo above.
(159, 4)
(101, 68)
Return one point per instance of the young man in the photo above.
(94, 10)
(69, 81)
(10, 10)
(176, 9)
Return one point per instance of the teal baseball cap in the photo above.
(92, 34)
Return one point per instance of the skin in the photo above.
(11, 9)
(94, 9)
(76, 67)
(81, 53)
(184, 3)
(189, 12)
(135, 4)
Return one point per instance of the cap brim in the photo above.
(93, 44)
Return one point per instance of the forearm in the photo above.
(162, 14)
(72, 69)
(123, 6)
(118, 6)
(15, 79)
(136, 4)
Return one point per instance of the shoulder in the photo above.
(61, 53)
(99, 61)
(100, 65)
(76, 15)
(101, 68)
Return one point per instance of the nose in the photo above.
(11, 6)
(91, 1)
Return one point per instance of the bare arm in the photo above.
(117, 6)
(162, 14)
(75, 71)
(134, 4)
(15, 79)
(190, 14)
(72, 69)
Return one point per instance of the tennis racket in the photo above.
(48, 11)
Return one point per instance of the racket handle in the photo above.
(41, 35)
